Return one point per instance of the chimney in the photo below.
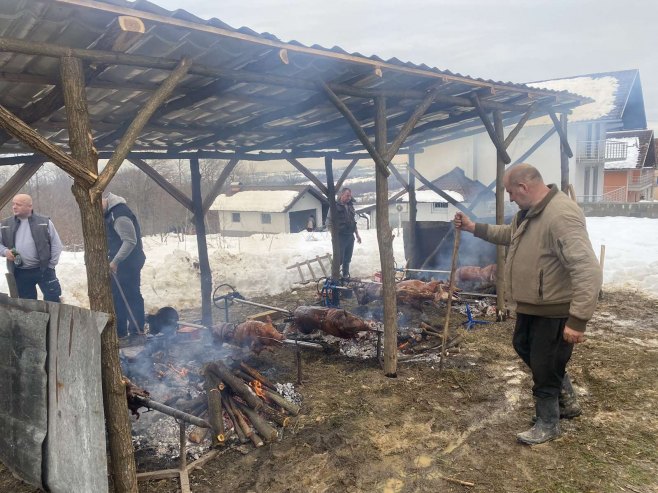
(234, 187)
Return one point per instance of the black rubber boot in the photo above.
(569, 407)
(547, 426)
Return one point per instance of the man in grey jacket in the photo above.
(32, 247)
(126, 254)
(553, 277)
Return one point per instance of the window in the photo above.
(235, 217)
(440, 205)
(266, 218)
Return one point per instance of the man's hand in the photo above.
(113, 267)
(464, 223)
(358, 238)
(10, 255)
(573, 336)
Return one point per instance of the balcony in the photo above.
(590, 151)
(641, 179)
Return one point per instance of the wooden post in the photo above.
(451, 290)
(217, 187)
(500, 219)
(331, 196)
(413, 213)
(385, 241)
(202, 245)
(11, 285)
(122, 458)
(564, 158)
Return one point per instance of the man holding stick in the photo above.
(554, 278)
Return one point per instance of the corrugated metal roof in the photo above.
(221, 113)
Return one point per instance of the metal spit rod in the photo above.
(253, 303)
(425, 270)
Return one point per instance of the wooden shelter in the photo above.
(83, 79)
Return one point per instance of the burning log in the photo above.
(236, 384)
(242, 422)
(332, 321)
(215, 414)
(268, 433)
(238, 430)
(253, 334)
(282, 402)
(257, 375)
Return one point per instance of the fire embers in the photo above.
(475, 277)
(410, 292)
(251, 334)
(332, 321)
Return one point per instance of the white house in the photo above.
(618, 104)
(286, 209)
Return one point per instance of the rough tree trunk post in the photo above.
(331, 197)
(500, 219)
(413, 212)
(564, 159)
(385, 241)
(98, 280)
(202, 246)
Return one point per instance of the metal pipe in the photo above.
(310, 345)
(482, 295)
(170, 411)
(238, 300)
(424, 270)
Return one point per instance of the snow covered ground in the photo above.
(256, 265)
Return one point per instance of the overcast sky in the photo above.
(505, 40)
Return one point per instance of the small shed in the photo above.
(269, 209)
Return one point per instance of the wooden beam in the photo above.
(346, 173)
(202, 245)
(397, 175)
(413, 213)
(564, 157)
(217, 187)
(133, 132)
(308, 174)
(356, 126)
(24, 133)
(515, 131)
(17, 181)
(174, 192)
(331, 197)
(385, 240)
(99, 290)
(500, 147)
(500, 218)
(563, 135)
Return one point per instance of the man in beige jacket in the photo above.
(553, 277)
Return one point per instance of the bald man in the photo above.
(554, 278)
(37, 246)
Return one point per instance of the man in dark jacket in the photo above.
(32, 248)
(554, 278)
(126, 254)
(346, 229)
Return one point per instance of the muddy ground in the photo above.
(427, 429)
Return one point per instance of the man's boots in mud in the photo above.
(547, 426)
(569, 407)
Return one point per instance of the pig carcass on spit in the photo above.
(332, 321)
(410, 292)
(482, 277)
(253, 334)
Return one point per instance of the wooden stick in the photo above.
(451, 289)
(215, 415)
(282, 402)
(238, 430)
(254, 373)
(456, 481)
(248, 431)
(238, 387)
(268, 433)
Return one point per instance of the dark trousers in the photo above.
(129, 277)
(28, 279)
(539, 343)
(346, 245)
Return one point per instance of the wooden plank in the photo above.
(564, 157)
(308, 174)
(563, 134)
(174, 192)
(500, 147)
(515, 131)
(135, 128)
(75, 437)
(398, 176)
(346, 173)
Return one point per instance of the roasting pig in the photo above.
(481, 277)
(410, 292)
(253, 334)
(332, 321)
